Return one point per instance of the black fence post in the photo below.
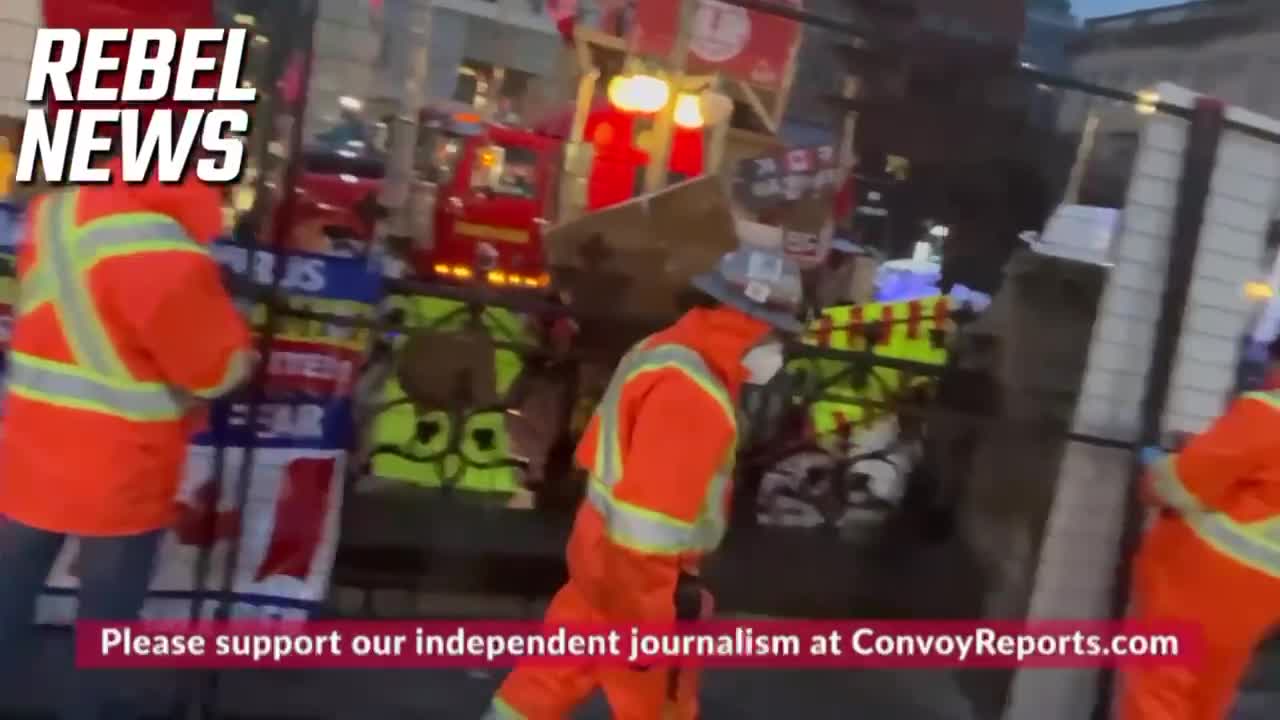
(206, 703)
(1203, 136)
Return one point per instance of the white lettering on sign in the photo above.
(798, 161)
(304, 274)
(720, 31)
(283, 421)
(161, 143)
(312, 366)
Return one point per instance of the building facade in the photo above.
(18, 22)
(1044, 45)
(1230, 50)
(480, 51)
(1225, 49)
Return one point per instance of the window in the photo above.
(518, 175)
(438, 154)
(474, 78)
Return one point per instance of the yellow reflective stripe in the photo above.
(1166, 483)
(1169, 487)
(98, 380)
(38, 285)
(1269, 399)
(77, 314)
(641, 528)
(1256, 545)
(500, 710)
(236, 371)
(128, 233)
(638, 362)
(68, 386)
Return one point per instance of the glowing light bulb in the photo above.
(639, 93)
(688, 113)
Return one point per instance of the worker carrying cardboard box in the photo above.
(660, 452)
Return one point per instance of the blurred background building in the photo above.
(1226, 48)
(18, 22)
(1229, 49)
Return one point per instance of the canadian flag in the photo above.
(301, 509)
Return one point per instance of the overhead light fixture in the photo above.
(244, 19)
(639, 93)
(1147, 102)
(1258, 291)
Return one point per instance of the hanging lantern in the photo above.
(688, 113)
(639, 93)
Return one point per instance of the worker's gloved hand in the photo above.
(1150, 455)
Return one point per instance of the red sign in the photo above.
(746, 45)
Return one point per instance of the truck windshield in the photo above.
(438, 154)
(517, 177)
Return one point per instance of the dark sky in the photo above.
(1094, 8)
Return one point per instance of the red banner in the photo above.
(759, 644)
(746, 45)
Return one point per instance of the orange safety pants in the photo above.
(1178, 576)
(552, 693)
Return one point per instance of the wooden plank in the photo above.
(753, 99)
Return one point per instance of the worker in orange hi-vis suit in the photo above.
(1212, 557)
(122, 332)
(660, 451)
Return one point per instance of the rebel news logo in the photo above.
(162, 67)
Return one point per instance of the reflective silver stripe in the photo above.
(64, 384)
(646, 360)
(638, 527)
(1168, 486)
(1256, 545)
(76, 313)
(142, 228)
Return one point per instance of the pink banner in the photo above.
(851, 644)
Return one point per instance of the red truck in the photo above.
(496, 188)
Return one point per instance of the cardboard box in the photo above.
(640, 256)
(448, 370)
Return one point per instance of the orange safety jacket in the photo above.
(122, 328)
(660, 451)
(1225, 485)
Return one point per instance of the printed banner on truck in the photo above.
(289, 523)
(785, 176)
